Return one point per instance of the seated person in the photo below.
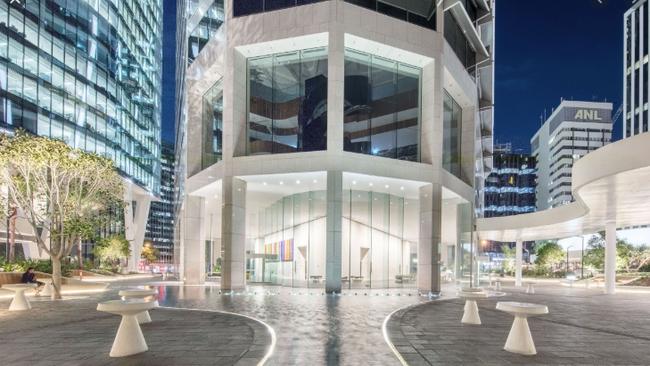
(30, 277)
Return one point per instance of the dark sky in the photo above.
(169, 70)
(545, 50)
(549, 49)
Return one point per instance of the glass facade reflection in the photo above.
(247, 7)
(380, 238)
(290, 246)
(207, 27)
(287, 110)
(88, 73)
(451, 143)
(212, 133)
(381, 107)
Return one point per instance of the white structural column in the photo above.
(193, 240)
(519, 258)
(135, 221)
(233, 233)
(610, 258)
(333, 235)
(429, 243)
(335, 86)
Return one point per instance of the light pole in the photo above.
(582, 259)
(567, 259)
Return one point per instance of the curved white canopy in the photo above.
(611, 184)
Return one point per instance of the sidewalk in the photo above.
(72, 332)
(583, 327)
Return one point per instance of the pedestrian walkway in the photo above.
(72, 332)
(584, 327)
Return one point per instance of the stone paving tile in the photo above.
(73, 332)
(584, 327)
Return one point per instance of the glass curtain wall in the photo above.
(451, 135)
(290, 246)
(466, 264)
(79, 71)
(379, 240)
(212, 133)
(206, 29)
(287, 110)
(381, 107)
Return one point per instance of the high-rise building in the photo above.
(160, 227)
(636, 69)
(510, 187)
(573, 130)
(315, 137)
(89, 73)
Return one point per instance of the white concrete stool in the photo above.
(530, 287)
(497, 285)
(19, 302)
(519, 339)
(142, 294)
(47, 290)
(470, 312)
(129, 339)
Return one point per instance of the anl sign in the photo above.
(587, 114)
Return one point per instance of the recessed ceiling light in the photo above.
(386, 186)
(370, 184)
(354, 182)
(298, 181)
(281, 182)
(264, 183)
(401, 188)
(315, 181)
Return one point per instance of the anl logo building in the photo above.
(587, 114)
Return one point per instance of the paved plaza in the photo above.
(72, 332)
(583, 328)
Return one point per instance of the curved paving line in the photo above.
(270, 329)
(384, 326)
(384, 329)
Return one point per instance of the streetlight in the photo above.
(582, 259)
(567, 258)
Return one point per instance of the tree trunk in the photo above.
(56, 278)
(12, 235)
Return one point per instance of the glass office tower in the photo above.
(87, 72)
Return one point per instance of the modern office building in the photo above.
(89, 73)
(635, 69)
(573, 130)
(510, 187)
(333, 144)
(160, 227)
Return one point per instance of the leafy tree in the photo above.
(149, 253)
(509, 255)
(627, 257)
(61, 191)
(549, 253)
(111, 250)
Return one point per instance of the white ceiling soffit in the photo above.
(460, 14)
(425, 8)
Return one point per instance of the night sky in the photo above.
(552, 49)
(169, 70)
(545, 50)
